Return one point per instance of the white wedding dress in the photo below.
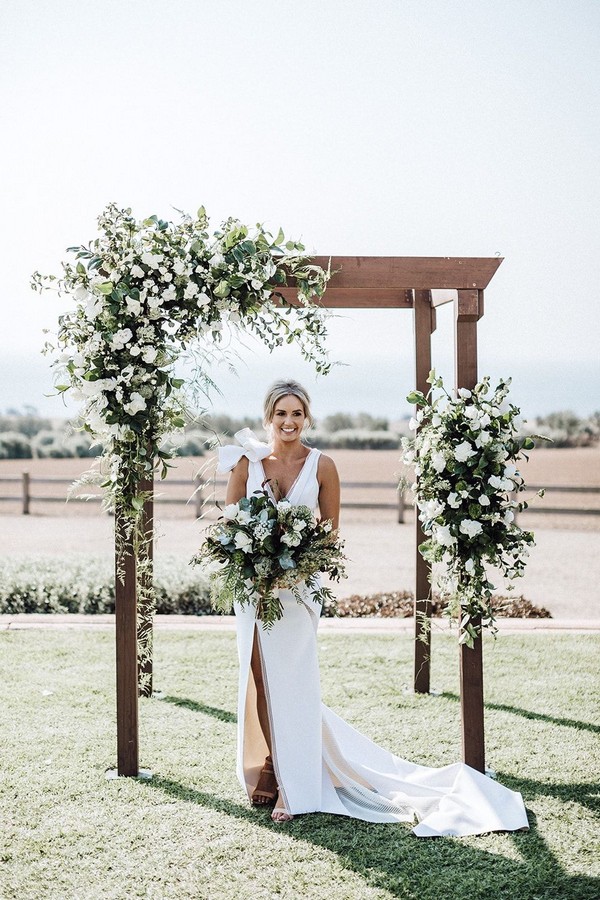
(322, 763)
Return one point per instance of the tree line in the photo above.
(26, 435)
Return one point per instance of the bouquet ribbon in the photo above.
(230, 454)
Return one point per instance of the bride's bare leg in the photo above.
(266, 790)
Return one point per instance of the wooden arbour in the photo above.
(367, 282)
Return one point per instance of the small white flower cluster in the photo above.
(145, 291)
(464, 455)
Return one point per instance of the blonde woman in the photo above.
(294, 753)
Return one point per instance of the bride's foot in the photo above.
(266, 790)
(280, 814)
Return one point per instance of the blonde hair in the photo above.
(286, 388)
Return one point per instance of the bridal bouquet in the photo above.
(259, 547)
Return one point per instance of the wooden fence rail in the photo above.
(204, 493)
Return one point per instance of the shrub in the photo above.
(14, 445)
(401, 604)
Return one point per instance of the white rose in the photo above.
(179, 267)
(485, 420)
(453, 500)
(470, 528)
(413, 424)
(203, 299)
(464, 392)
(149, 354)
(484, 500)
(430, 509)
(133, 306)
(508, 517)
(469, 566)
(510, 470)
(93, 307)
(230, 511)
(243, 541)
(153, 260)
(243, 516)
(438, 460)
(216, 260)
(169, 294)
(135, 350)
(137, 272)
(483, 439)
(191, 290)
(496, 482)
(442, 535)
(81, 293)
(463, 451)
(120, 338)
(136, 404)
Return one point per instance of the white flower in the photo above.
(137, 272)
(153, 260)
(179, 267)
(191, 290)
(441, 534)
(413, 424)
(243, 541)
(327, 527)
(463, 451)
(81, 293)
(436, 420)
(169, 294)
(469, 566)
(485, 420)
(121, 338)
(464, 392)
(453, 500)
(284, 504)
(508, 517)
(470, 527)
(483, 439)
(496, 482)
(230, 511)
(484, 500)
(203, 299)
(149, 354)
(217, 260)
(510, 470)
(243, 516)
(291, 539)
(438, 461)
(133, 306)
(430, 509)
(471, 412)
(155, 302)
(135, 350)
(136, 404)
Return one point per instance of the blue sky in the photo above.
(414, 127)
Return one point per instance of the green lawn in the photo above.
(66, 832)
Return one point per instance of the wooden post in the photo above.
(400, 506)
(145, 635)
(424, 325)
(26, 494)
(469, 307)
(126, 647)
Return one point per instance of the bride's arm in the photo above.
(238, 478)
(329, 490)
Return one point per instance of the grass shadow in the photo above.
(391, 858)
(216, 712)
(528, 714)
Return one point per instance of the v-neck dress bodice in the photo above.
(322, 763)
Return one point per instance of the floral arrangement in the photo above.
(144, 292)
(260, 546)
(465, 456)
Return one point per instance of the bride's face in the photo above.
(288, 418)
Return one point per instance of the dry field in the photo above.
(563, 574)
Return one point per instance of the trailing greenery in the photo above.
(66, 832)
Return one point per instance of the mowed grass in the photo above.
(67, 832)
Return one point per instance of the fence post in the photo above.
(26, 494)
(400, 506)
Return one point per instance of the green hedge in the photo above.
(85, 584)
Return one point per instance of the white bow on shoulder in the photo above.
(230, 454)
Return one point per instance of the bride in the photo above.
(293, 752)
